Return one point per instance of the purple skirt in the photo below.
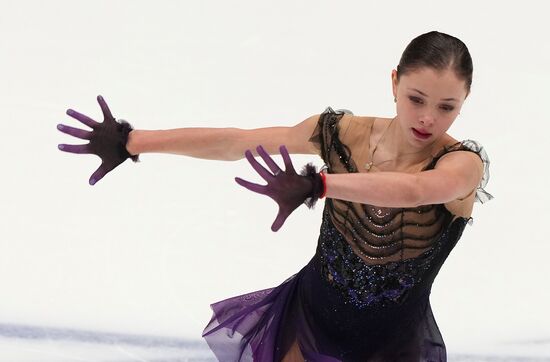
(306, 310)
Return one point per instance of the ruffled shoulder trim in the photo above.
(326, 139)
(342, 110)
(482, 195)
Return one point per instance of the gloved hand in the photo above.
(287, 188)
(107, 140)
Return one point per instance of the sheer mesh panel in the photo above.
(380, 234)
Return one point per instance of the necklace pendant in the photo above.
(368, 165)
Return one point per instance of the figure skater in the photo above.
(399, 192)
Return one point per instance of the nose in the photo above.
(427, 119)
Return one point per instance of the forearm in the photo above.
(206, 143)
(385, 189)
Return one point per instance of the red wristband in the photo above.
(323, 176)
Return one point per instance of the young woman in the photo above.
(399, 193)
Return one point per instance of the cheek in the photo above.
(406, 108)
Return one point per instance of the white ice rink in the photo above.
(126, 270)
(30, 343)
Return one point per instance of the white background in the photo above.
(149, 247)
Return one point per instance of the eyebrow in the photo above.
(425, 95)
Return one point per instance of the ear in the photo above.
(394, 82)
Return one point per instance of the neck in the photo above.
(400, 147)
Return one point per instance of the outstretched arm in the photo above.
(115, 141)
(226, 144)
(454, 176)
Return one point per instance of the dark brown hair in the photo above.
(438, 51)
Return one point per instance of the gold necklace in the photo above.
(369, 164)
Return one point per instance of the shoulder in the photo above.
(358, 120)
(460, 158)
(457, 155)
(347, 116)
(343, 120)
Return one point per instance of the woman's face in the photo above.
(428, 101)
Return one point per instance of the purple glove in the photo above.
(288, 189)
(107, 140)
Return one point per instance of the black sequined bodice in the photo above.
(377, 285)
(376, 255)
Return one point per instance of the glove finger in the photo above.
(75, 148)
(268, 160)
(286, 157)
(82, 118)
(76, 132)
(279, 220)
(259, 168)
(104, 108)
(103, 169)
(261, 189)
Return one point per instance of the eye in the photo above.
(415, 100)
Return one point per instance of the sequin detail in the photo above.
(377, 233)
(374, 255)
(365, 285)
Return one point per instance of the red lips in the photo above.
(422, 131)
(421, 136)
